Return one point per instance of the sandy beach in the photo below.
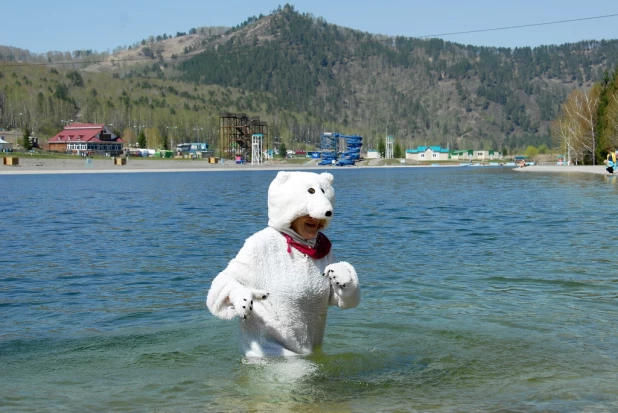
(29, 166)
(591, 169)
(36, 165)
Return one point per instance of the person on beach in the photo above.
(611, 161)
(285, 276)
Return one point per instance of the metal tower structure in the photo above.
(236, 132)
(256, 148)
(389, 147)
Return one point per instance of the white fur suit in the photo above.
(281, 294)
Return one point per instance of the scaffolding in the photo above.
(236, 131)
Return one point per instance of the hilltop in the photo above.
(164, 49)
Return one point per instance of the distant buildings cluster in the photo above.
(98, 139)
(437, 153)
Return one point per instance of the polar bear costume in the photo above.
(281, 285)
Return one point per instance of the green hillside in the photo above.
(303, 76)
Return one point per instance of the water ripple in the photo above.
(483, 290)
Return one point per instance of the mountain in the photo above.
(304, 76)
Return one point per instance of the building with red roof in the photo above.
(86, 138)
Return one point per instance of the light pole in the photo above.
(66, 122)
(171, 134)
(197, 131)
(139, 130)
(276, 145)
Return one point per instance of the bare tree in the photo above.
(564, 131)
(581, 108)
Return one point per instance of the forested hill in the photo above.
(423, 91)
(303, 76)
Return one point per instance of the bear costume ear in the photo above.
(328, 177)
(281, 177)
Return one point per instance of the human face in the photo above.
(307, 227)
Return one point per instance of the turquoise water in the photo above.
(484, 290)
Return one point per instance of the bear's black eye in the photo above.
(323, 191)
(311, 191)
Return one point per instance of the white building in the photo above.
(428, 153)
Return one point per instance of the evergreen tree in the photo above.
(166, 143)
(76, 78)
(141, 140)
(601, 120)
(26, 142)
(397, 151)
(382, 148)
(282, 150)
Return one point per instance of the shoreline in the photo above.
(37, 166)
(589, 169)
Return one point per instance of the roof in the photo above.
(426, 148)
(83, 132)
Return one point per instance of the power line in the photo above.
(385, 39)
(519, 26)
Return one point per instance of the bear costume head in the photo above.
(296, 194)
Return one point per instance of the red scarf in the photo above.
(321, 249)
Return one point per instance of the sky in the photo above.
(65, 25)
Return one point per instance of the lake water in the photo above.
(484, 289)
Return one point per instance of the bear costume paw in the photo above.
(242, 300)
(343, 278)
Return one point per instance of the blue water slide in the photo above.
(330, 147)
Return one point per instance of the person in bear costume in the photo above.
(285, 276)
